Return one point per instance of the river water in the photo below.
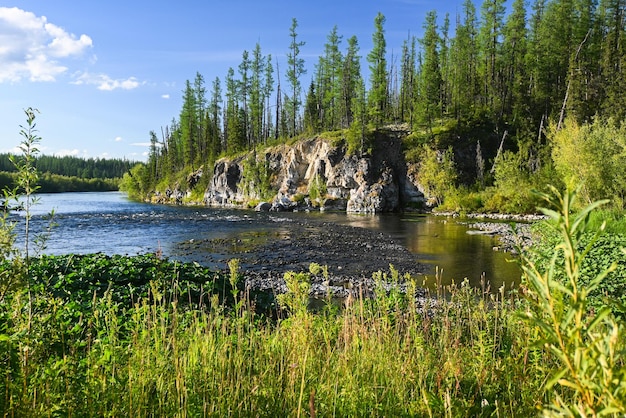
(112, 224)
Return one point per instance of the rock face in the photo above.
(314, 173)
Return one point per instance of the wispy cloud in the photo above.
(118, 139)
(165, 96)
(34, 49)
(106, 83)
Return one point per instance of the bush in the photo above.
(589, 348)
(593, 155)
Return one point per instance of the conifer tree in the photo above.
(350, 77)
(464, 56)
(492, 13)
(215, 109)
(430, 100)
(515, 78)
(295, 69)
(188, 125)
(378, 99)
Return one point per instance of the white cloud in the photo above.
(70, 153)
(118, 139)
(141, 144)
(15, 151)
(165, 96)
(33, 48)
(104, 82)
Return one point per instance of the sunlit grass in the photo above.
(389, 356)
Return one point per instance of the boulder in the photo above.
(263, 207)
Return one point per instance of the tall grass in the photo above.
(390, 356)
(458, 352)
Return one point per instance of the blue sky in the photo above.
(103, 74)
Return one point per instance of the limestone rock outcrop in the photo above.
(314, 173)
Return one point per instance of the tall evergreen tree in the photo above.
(295, 70)
(257, 95)
(243, 93)
(514, 48)
(614, 58)
(492, 13)
(464, 56)
(378, 99)
(350, 77)
(408, 80)
(215, 109)
(430, 100)
(201, 121)
(188, 125)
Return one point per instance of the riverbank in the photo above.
(513, 231)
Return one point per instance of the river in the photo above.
(112, 224)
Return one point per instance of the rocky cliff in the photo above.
(314, 173)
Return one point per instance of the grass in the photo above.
(127, 336)
(160, 356)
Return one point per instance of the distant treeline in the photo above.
(54, 183)
(82, 168)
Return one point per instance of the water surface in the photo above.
(112, 224)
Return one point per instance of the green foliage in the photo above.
(134, 182)
(603, 252)
(588, 348)
(437, 173)
(317, 188)
(68, 166)
(257, 178)
(593, 155)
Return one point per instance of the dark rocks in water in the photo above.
(511, 237)
(263, 207)
(338, 205)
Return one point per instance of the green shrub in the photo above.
(593, 155)
(589, 348)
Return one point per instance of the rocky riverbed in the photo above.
(352, 255)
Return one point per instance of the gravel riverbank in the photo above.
(352, 254)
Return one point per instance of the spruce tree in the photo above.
(295, 69)
(378, 99)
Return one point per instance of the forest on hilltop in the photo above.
(503, 85)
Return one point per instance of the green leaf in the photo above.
(555, 378)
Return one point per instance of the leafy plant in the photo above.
(588, 347)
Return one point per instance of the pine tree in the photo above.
(464, 57)
(514, 48)
(201, 120)
(215, 133)
(408, 80)
(430, 100)
(332, 73)
(350, 77)
(295, 70)
(257, 96)
(188, 125)
(378, 99)
(492, 12)
(614, 59)
(243, 92)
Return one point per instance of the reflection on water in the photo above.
(110, 223)
(444, 243)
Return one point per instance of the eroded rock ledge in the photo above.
(315, 174)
